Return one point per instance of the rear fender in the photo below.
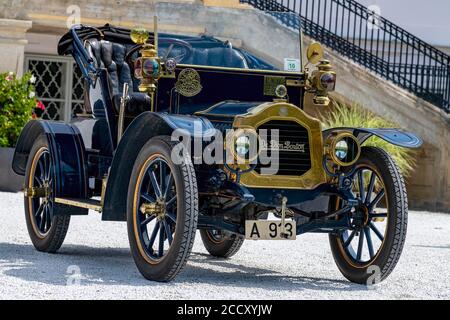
(68, 154)
(394, 136)
(144, 127)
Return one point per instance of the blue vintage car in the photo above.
(183, 133)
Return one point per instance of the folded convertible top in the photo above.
(122, 35)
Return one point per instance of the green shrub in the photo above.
(356, 116)
(17, 106)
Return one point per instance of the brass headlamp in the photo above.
(343, 148)
(323, 80)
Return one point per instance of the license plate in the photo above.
(270, 230)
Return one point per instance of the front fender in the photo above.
(394, 136)
(144, 127)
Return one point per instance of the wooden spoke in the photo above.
(168, 186)
(369, 242)
(147, 221)
(360, 246)
(147, 197)
(155, 184)
(376, 231)
(350, 239)
(161, 240)
(153, 236)
(168, 232)
(361, 185)
(377, 199)
(371, 187)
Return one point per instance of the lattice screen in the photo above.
(59, 86)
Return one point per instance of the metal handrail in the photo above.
(372, 41)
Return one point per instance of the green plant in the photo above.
(342, 115)
(17, 106)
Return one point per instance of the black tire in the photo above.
(43, 240)
(383, 263)
(184, 228)
(222, 246)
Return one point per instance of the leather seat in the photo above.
(138, 103)
(111, 56)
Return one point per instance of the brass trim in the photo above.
(314, 53)
(79, 204)
(262, 71)
(271, 83)
(295, 83)
(289, 112)
(330, 146)
(188, 83)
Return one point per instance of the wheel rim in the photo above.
(363, 243)
(41, 209)
(215, 236)
(155, 209)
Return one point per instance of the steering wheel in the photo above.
(186, 50)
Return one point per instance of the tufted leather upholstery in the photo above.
(111, 56)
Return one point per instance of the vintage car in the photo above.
(157, 105)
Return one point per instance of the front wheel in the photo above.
(371, 249)
(162, 210)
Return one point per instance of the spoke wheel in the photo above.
(375, 241)
(42, 207)
(220, 244)
(46, 228)
(162, 210)
(157, 203)
(363, 244)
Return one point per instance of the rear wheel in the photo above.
(162, 210)
(372, 248)
(220, 244)
(47, 230)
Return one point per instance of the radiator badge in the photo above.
(284, 146)
(189, 83)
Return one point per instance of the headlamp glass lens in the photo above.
(242, 146)
(341, 150)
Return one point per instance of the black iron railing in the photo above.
(365, 37)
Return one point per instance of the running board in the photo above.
(81, 203)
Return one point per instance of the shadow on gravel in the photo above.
(432, 247)
(115, 266)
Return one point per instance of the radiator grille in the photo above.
(293, 147)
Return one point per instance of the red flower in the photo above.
(40, 105)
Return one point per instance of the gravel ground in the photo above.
(303, 269)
